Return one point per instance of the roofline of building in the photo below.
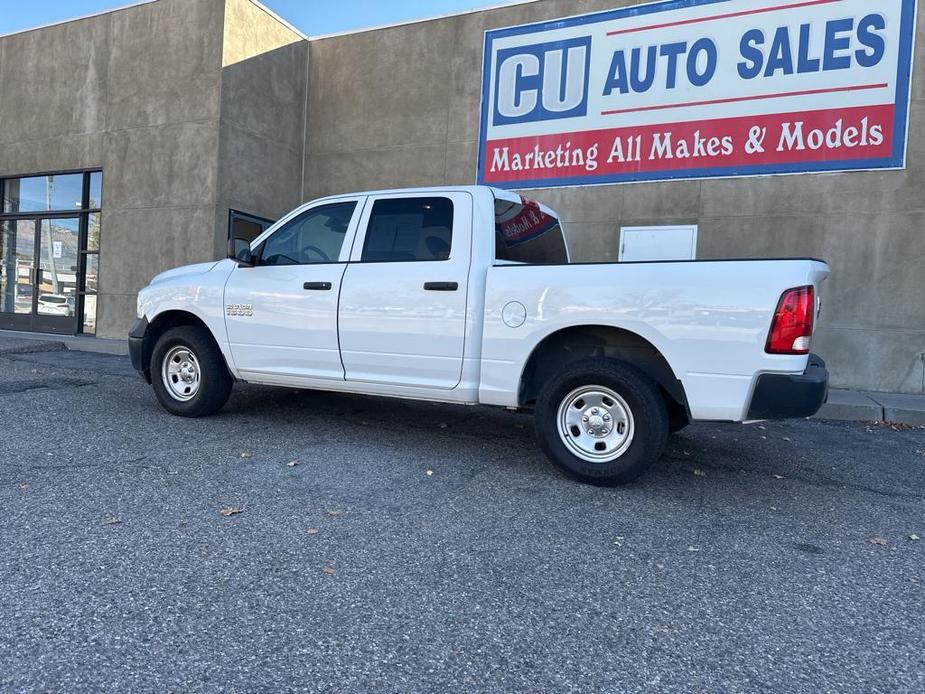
(421, 20)
(279, 19)
(127, 6)
(288, 25)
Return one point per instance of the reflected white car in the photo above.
(56, 305)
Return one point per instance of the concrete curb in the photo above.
(856, 406)
(851, 406)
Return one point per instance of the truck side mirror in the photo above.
(239, 250)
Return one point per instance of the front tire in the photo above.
(188, 373)
(602, 422)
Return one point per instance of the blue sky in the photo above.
(313, 17)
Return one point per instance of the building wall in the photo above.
(136, 92)
(190, 107)
(400, 107)
(262, 121)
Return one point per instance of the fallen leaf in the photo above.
(112, 521)
(878, 541)
(335, 514)
(292, 463)
(778, 477)
(312, 531)
(699, 473)
(230, 511)
(246, 455)
(787, 438)
(330, 571)
(774, 508)
(914, 537)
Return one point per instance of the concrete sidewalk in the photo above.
(21, 342)
(843, 405)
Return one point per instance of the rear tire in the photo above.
(188, 373)
(602, 422)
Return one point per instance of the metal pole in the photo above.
(51, 239)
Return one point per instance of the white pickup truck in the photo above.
(466, 295)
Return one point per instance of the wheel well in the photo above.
(160, 325)
(582, 342)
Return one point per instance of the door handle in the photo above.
(317, 286)
(441, 286)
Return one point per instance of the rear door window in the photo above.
(527, 232)
(409, 230)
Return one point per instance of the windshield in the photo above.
(527, 232)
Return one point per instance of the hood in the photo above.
(197, 269)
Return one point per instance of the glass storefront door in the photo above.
(49, 252)
(38, 282)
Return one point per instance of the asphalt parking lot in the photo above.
(377, 545)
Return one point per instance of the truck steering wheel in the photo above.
(315, 249)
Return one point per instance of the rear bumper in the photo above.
(137, 347)
(787, 396)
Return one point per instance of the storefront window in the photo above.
(49, 252)
(96, 190)
(43, 193)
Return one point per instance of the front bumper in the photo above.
(788, 396)
(137, 348)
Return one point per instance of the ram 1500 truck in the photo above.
(467, 295)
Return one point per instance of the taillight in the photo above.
(792, 328)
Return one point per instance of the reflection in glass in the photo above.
(56, 282)
(96, 190)
(17, 250)
(43, 193)
(88, 319)
(41, 261)
(91, 279)
(93, 232)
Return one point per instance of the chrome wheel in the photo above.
(595, 424)
(181, 373)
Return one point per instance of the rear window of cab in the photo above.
(528, 233)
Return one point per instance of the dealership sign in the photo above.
(695, 89)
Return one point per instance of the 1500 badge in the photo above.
(239, 310)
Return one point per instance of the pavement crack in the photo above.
(17, 387)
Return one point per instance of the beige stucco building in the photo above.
(159, 123)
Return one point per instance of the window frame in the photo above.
(259, 244)
(356, 257)
(83, 214)
(234, 215)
